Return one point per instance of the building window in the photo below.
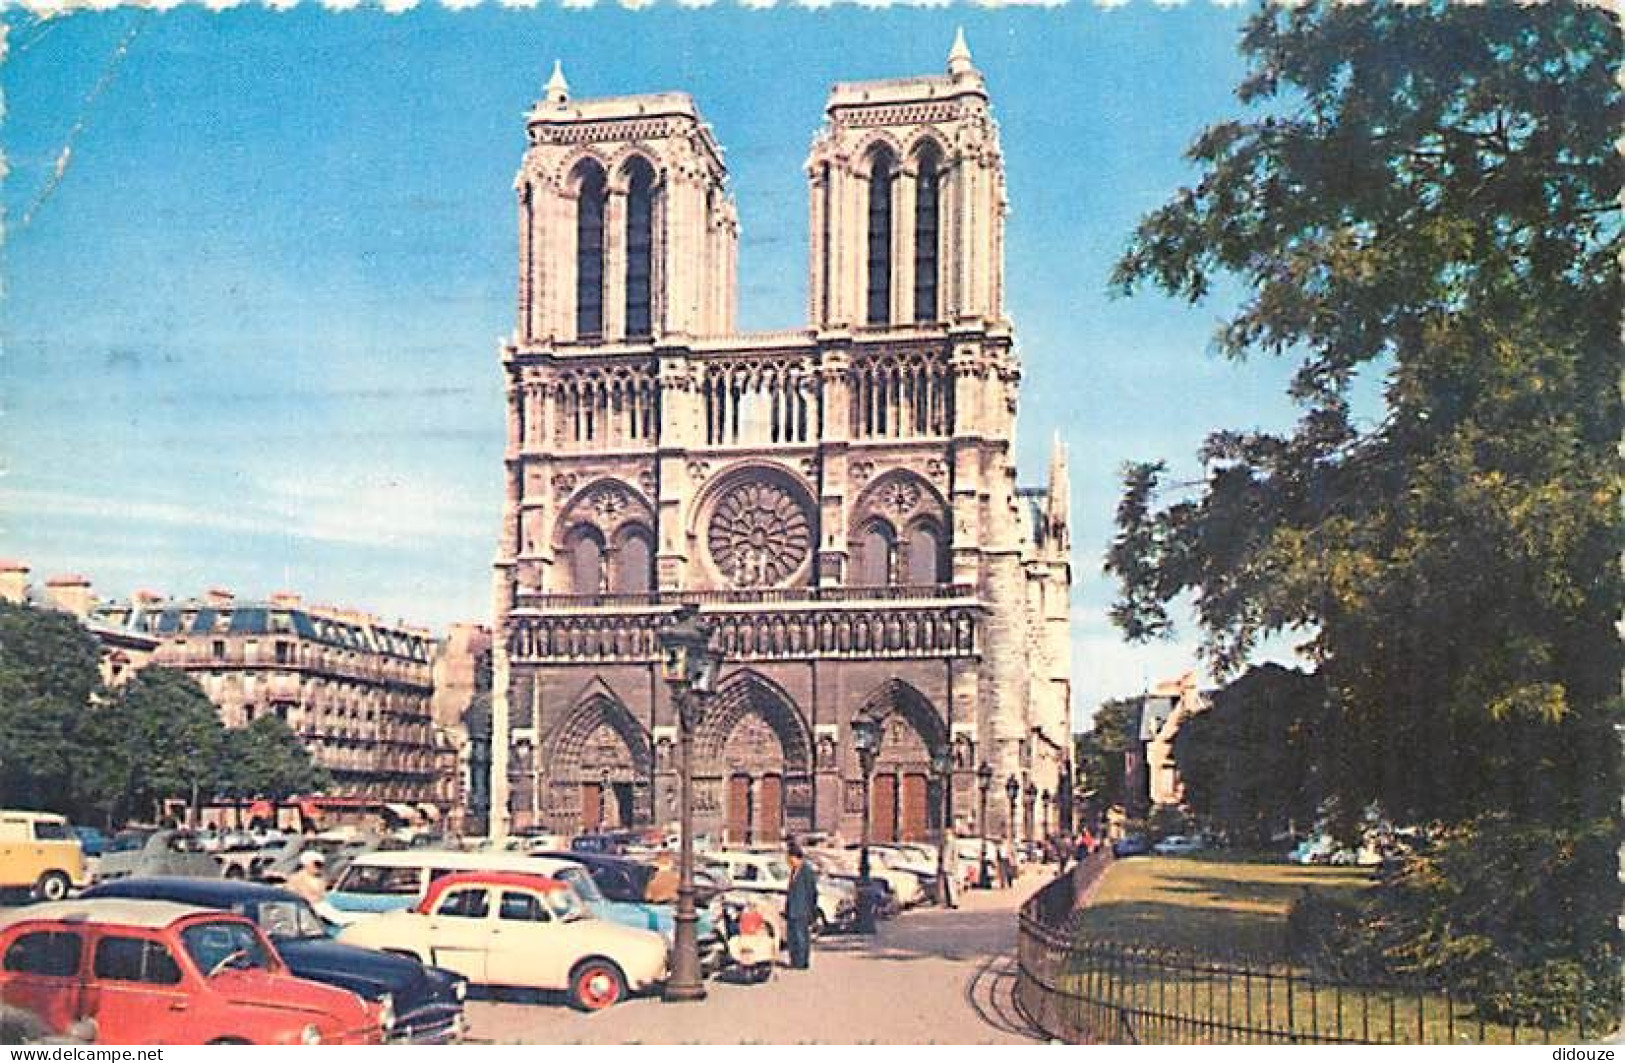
(634, 563)
(590, 254)
(585, 550)
(881, 173)
(640, 199)
(219, 649)
(925, 567)
(877, 556)
(926, 212)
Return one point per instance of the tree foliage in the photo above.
(266, 759)
(1424, 196)
(1429, 194)
(1099, 751)
(163, 740)
(1250, 762)
(48, 678)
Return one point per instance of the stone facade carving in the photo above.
(759, 534)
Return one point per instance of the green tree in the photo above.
(1099, 751)
(1250, 761)
(266, 759)
(49, 682)
(1425, 195)
(164, 739)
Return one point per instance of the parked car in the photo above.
(768, 872)
(92, 842)
(1178, 845)
(510, 929)
(40, 853)
(1131, 845)
(156, 852)
(155, 972)
(834, 865)
(619, 891)
(428, 1001)
(609, 844)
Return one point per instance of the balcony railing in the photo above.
(885, 622)
(749, 597)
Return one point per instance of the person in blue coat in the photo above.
(800, 906)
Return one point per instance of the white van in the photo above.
(392, 881)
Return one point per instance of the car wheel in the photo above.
(52, 886)
(234, 873)
(596, 984)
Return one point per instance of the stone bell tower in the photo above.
(908, 202)
(626, 231)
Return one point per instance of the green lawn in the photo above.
(1216, 906)
(1233, 979)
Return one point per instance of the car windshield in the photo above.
(289, 920)
(582, 882)
(566, 905)
(778, 870)
(128, 842)
(222, 946)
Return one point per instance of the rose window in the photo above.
(759, 535)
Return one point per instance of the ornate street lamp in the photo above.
(1048, 800)
(984, 782)
(1012, 790)
(942, 767)
(866, 740)
(1032, 802)
(689, 664)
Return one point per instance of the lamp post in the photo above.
(1032, 811)
(984, 782)
(689, 664)
(1012, 790)
(1048, 800)
(866, 740)
(942, 766)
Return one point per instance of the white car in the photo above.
(511, 929)
(904, 886)
(769, 872)
(1178, 845)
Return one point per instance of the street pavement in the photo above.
(929, 976)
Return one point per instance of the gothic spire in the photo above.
(959, 61)
(557, 90)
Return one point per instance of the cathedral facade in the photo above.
(839, 500)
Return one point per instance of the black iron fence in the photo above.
(1108, 992)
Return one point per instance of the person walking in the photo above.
(800, 905)
(950, 870)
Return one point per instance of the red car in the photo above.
(153, 972)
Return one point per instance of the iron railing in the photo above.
(1082, 990)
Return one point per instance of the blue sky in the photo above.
(251, 321)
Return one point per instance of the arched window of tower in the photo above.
(639, 248)
(925, 555)
(592, 194)
(877, 555)
(926, 213)
(882, 172)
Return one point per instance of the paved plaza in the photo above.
(928, 976)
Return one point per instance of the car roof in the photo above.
(535, 881)
(107, 911)
(45, 817)
(450, 859)
(208, 892)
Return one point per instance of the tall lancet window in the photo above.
(881, 173)
(927, 195)
(590, 253)
(640, 215)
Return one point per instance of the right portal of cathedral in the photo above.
(840, 500)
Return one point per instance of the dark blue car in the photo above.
(1132, 845)
(428, 1001)
(91, 841)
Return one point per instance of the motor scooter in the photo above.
(752, 942)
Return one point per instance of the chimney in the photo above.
(70, 593)
(285, 599)
(145, 599)
(218, 597)
(13, 582)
